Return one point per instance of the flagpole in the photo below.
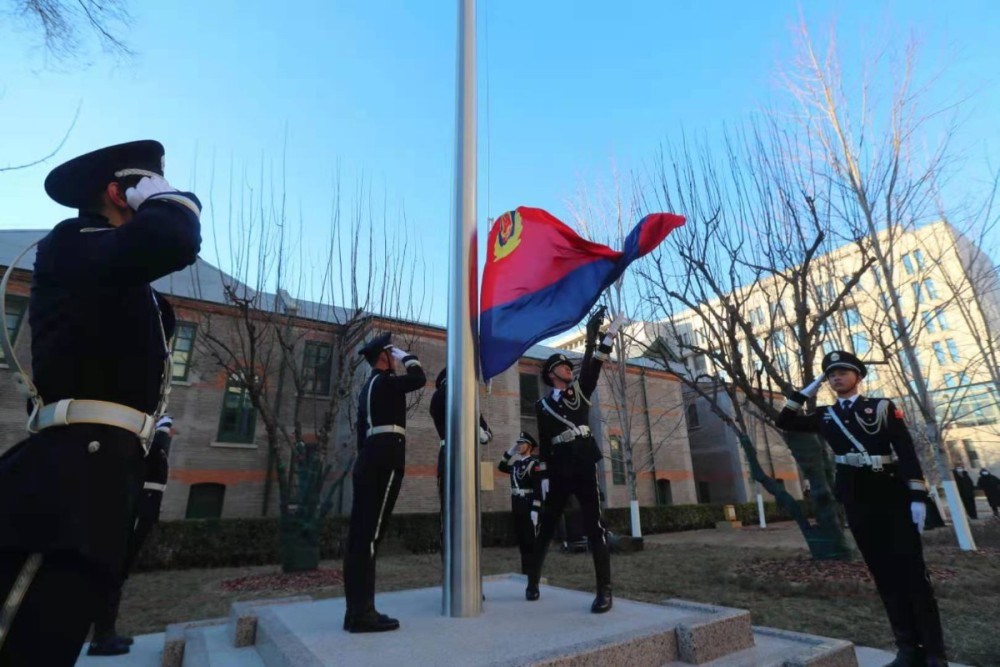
(462, 589)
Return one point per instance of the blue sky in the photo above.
(571, 90)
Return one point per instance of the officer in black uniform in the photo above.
(881, 485)
(569, 456)
(101, 371)
(106, 640)
(378, 473)
(438, 410)
(525, 485)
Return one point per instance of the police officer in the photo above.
(882, 488)
(106, 640)
(378, 473)
(568, 458)
(525, 486)
(101, 371)
(438, 409)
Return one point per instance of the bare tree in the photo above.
(884, 180)
(295, 359)
(746, 292)
(67, 25)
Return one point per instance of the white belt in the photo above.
(859, 460)
(522, 492)
(153, 486)
(71, 411)
(391, 428)
(571, 434)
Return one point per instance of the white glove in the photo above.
(918, 511)
(484, 436)
(545, 488)
(146, 188)
(398, 353)
(616, 324)
(534, 518)
(814, 387)
(512, 449)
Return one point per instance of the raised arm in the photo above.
(790, 419)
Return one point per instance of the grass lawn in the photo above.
(755, 578)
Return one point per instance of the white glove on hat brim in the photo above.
(398, 353)
(814, 387)
(146, 188)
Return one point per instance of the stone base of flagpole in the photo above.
(557, 630)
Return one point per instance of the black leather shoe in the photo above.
(603, 601)
(109, 646)
(128, 641)
(936, 662)
(370, 622)
(531, 592)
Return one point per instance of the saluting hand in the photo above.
(146, 188)
(398, 353)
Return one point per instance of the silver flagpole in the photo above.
(462, 590)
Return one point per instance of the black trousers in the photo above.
(51, 624)
(892, 549)
(581, 483)
(524, 530)
(106, 612)
(376, 488)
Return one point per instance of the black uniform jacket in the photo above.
(884, 438)
(95, 334)
(382, 402)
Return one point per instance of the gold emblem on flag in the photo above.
(508, 235)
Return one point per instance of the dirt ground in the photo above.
(765, 571)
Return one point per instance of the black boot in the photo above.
(908, 656)
(603, 601)
(370, 621)
(936, 662)
(531, 592)
(107, 646)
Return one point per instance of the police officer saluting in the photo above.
(882, 488)
(525, 486)
(378, 473)
(101, 371)
(439, 412)
(569, 456)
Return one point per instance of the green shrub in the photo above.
(198, 543)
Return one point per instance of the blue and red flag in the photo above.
(541, 278)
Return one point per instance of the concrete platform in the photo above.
(556, 631)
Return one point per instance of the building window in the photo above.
(781, 358)
(918, 293)
(704, 495)
(205, 501)
(860, 343)
(239, 419)
(929, 289)
(692, 416)
(181, 349)
(953, 350)
(971, 453)
(851, 317)
(919, 256)
(908, 264)
(942, 321)
(316, 368)
(617, 461)
(872, 374)
(529, 394)
(664, 494)
(939, 353)
(929, 322)
(16, 307)
(949, 378)
(699, 364)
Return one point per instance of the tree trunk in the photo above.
(826, 538)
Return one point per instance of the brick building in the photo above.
(219, 459)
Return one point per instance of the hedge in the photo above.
(202, 543)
